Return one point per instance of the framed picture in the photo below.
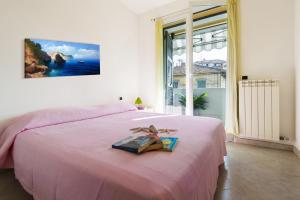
(47, 58)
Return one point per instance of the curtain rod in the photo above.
(184, 11)
(172, 14)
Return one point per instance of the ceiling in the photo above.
(142, 6)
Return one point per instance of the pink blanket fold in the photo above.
(67, 155)
(51, 117)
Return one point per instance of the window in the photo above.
(201, 83)
(209, 62)
(175, 83)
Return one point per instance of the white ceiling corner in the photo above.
(142, 6)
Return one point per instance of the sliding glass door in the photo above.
(174, 62)
(209, 67)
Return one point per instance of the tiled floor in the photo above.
(250, 173)
(253, 173)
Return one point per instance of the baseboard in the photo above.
(297, 151)
(265, 144)
(229, 137)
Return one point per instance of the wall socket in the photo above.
(284, 138)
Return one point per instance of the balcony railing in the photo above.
(215, 107)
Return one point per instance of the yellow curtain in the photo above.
(233, 66)
(159, 107)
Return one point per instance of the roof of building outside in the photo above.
(198, 68)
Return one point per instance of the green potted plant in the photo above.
(200, 102)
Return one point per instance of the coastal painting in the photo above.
(47, 58)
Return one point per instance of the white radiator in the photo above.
(259, 109)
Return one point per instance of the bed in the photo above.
(66, 154)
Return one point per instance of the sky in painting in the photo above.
(77, 50)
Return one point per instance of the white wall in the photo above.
(103, 22)
(267, 31)
(297, 60)
(267, 49)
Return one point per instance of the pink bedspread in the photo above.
(66, 155)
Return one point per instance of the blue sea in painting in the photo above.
(47, 58)
(74, 68)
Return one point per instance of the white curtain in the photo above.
(232, 125)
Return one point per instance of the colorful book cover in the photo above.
(169, 143)
(165, 144)
(134, 144)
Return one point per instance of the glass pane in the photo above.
(175, 79)
(210, 66)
